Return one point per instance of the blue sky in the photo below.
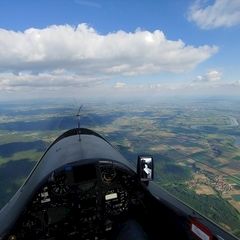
(123, 48)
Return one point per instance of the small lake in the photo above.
(236, 197)
(237, 141)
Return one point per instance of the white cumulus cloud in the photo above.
(64, 55)
(222, 13)
(120, 85)
(211, 76)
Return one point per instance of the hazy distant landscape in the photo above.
(195, 144)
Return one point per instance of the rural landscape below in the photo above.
(195, 144)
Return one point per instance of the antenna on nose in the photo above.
(78, 122)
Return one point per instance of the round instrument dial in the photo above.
(108, 174)
(59, 187)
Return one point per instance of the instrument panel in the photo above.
(80, 201)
